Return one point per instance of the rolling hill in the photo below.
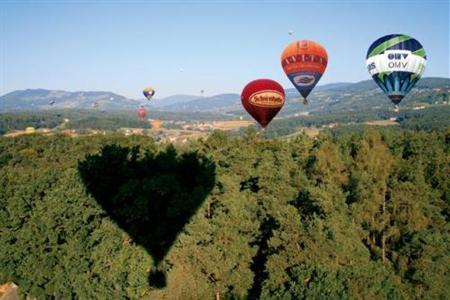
(330, 97)
(39, 99)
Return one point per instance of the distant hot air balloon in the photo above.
(155, 124)
(290, 32)
(304, 62)
(30, 130)
(142, 112)
(396, 62)
(263, 99)
(202, 92)
(148, 92)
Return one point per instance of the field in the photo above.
(230, 125)
(381, 123)
(311, 132)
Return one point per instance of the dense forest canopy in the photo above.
(341, 216)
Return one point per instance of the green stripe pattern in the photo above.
(389, 43)
(420, 52)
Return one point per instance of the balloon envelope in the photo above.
(30, 130)
(148, 92)
(142, 112)
(263, 99)
(155, 124)
(396, 62)
(304, 62)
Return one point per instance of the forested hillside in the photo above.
(424, 119)
(84, 119)
(345, 216)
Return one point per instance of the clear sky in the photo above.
(122, 46)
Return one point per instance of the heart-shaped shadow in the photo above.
(150, 196)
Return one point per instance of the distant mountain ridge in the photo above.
(334, 96)
(366, 95)
(39, 99)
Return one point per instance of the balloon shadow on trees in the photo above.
(151, 196)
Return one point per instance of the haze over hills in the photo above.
(171, 100)
(217, 103)
(330, 97)
(38, 99)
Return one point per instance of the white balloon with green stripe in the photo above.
(396, 62)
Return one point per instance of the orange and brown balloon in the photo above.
(304, 62)
(155, 124)
(263, 99)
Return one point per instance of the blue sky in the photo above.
(122, 46)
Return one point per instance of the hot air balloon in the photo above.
(148, 92)
(155, 124)
(396, 62)
(142, 112)
(263, 99)
(30, 130)
(304, 62)
(290, 32)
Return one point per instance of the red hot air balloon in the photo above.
(304, 62)
(263, 99)
(142, 112)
